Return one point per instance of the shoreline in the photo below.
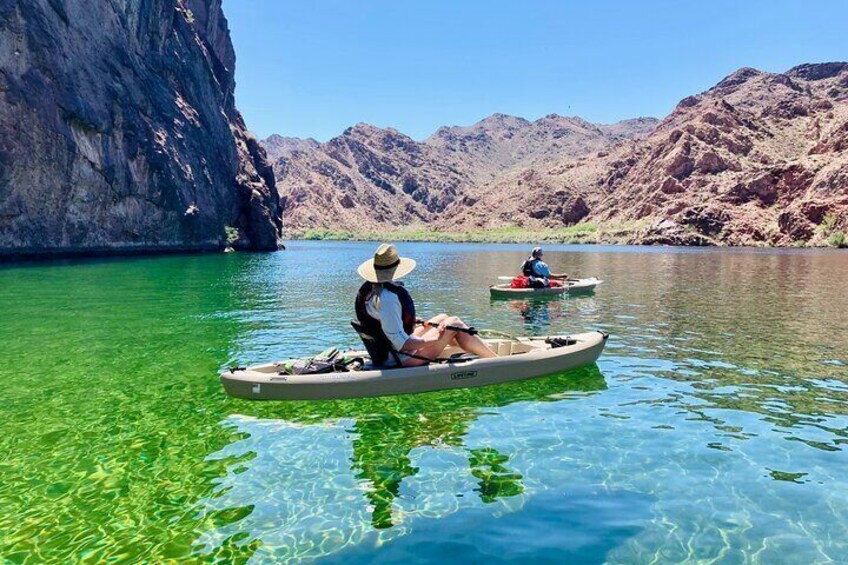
(588, 233)
(9, 257)
(580, 234)
(575, 235)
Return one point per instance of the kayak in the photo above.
(519, 359)
(576, 286)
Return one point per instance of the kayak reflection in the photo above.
(381, 456)
(538, 314)
(381, 452)
(389, 440)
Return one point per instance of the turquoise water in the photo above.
(713, 428)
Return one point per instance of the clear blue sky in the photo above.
(310, 68)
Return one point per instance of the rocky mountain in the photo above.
(118, 131)
(373, 178)
(759, 159)
(502, 142)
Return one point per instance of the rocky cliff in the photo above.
(118, 131)
(761, 158)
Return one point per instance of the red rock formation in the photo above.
(755, 159)
(372, 178)
(758, 159)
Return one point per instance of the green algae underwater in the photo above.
(713, 427)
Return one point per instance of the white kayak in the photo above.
(519, 359)
(575, 286)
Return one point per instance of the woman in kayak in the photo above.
(538, 272)
(386, 313)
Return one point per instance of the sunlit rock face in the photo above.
(119, 132)
(371, 178)
(759, 159)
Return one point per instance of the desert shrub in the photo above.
(828, 224)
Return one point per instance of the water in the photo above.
(713, 428)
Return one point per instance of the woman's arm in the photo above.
(543, 270)
(392, 323)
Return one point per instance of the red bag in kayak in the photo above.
(520, 282)
(555, 283)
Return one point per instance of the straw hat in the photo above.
(386, 265)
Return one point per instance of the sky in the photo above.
(311, 68)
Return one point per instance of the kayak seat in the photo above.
(372, 367)
(370, 343)
(394, 361)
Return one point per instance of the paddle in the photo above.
(469, 330)
(506, 278)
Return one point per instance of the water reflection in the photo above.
(538, 314)
(722, 356)
(546, 315)
(321, 476)
(381, 457)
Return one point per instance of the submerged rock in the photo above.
(119, 132)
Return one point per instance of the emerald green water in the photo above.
(713, 428)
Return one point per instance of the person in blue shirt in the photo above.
(538, 272)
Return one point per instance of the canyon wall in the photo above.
(119, 131)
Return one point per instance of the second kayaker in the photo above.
(538, 272)
(386, 313)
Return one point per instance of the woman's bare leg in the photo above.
(435, 321)
(422, 329)
(470, 343)
(431, 351)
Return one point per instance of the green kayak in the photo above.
(576, 286)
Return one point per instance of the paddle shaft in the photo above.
(506, 278)
(469, 331)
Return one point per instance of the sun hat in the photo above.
(386, 265)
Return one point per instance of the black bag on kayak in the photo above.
(328, 361)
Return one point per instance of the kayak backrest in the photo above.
(370, 342)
